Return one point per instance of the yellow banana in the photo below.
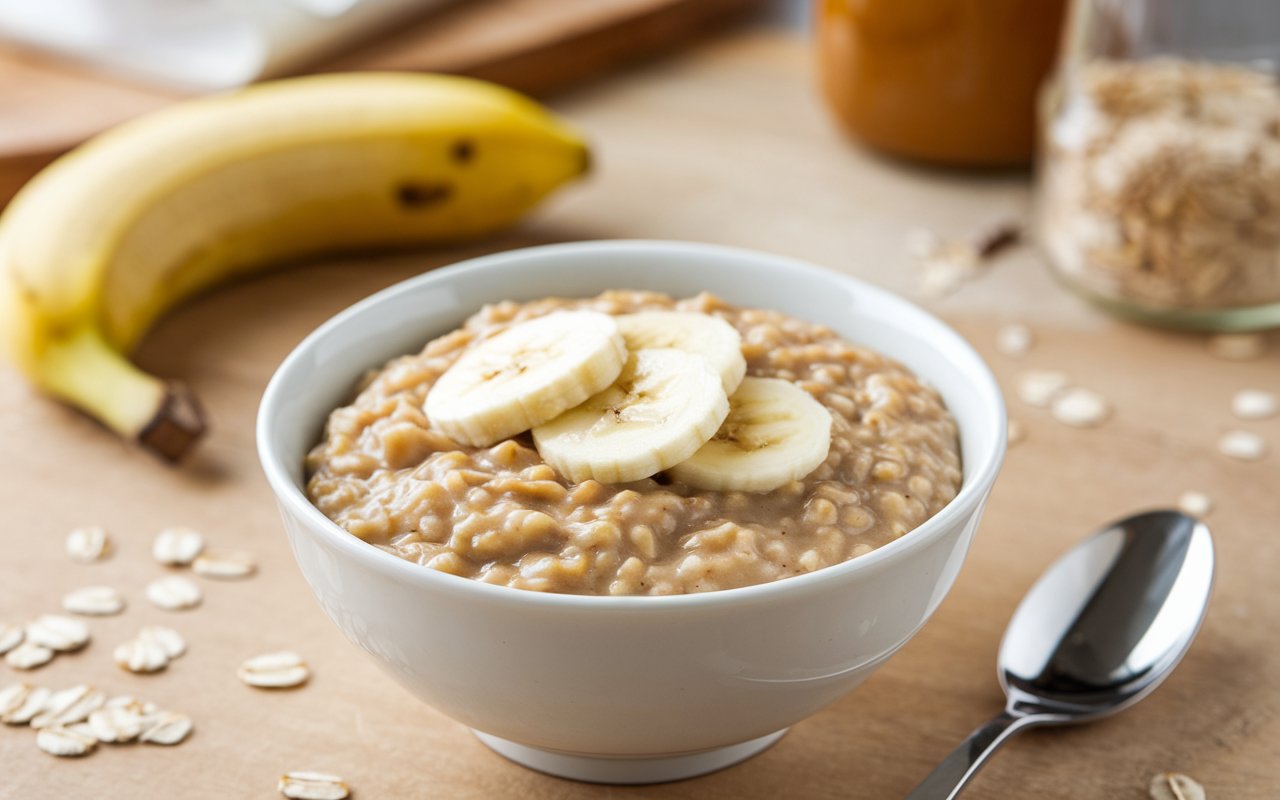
(110, 236)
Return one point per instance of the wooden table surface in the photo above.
(728, 144)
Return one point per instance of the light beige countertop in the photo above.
(729, 144)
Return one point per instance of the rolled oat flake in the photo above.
(174, 593)
(88, 544)
(94, 601)
(1242, 446)
(1175, 786)
(141, 656)
(313, 786)
(167, 728)
(1080, 408)
(229, 565)
(1014, 340)
(10, 637)
(70, 706)
(169, 640)
(57, 632)
(1254, 404)
(275, 670)
(66, 742)
(1039, 387)
(28, 655)
(32, 704)
(1197, 504)
(12, 697)
(115, 724)
(177, 546)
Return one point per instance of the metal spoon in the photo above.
(1100, 630)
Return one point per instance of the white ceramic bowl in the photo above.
(627, 689)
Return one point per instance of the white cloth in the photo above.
(197, 44)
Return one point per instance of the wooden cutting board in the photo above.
(48, 105)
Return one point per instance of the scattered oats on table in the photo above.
(142, 656)
(94, 601)
(88, 544)
(165, 728)
(32, 703)
(1014, 340)
(28, 655)
(57, 632)
(282, 670)
(1197, 504)
(1242, 446)
(1175, 786)
(10, 637)
(313, 786)
(1254, 404)
(177, 546)
(228, 565)
(174, 593)
(71, 742)
(1039, 387)
(1080, 408)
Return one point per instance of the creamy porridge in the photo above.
(500, 513)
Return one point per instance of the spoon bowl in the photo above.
(1097, 632)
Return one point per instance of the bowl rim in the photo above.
(979, 477)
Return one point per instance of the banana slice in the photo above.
(701, 334)
(663, 407)
(775, 433)
(526, 375)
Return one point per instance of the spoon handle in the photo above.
(949, 777)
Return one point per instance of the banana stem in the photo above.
(83, 369)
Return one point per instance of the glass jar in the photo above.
(1158, 178)
(950, 82)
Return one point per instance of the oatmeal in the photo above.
(500, 513)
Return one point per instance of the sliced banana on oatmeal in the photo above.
(526, 375)
(701, 334)
(775, 433)
(664, 406)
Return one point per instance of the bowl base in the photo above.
(632, 770)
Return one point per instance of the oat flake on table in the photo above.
(66, 742)
(94, 601)
(88, 544)
(10, 637)
(28, 655)
(167, 728)
(1254, 404)
(57, 632)
(142, 656)
(1175, 786)
(1039, 387)
(69, 707)
(1080, 408)
(174, 593)
(1242, 446)
(32, 704)
(169, 640)
(281, 670)
(225, 565)
(1014, 340)
(313, 786)
(1197, 504)
(177, 546)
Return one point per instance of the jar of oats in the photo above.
(1158, 179)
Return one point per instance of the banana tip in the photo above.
(177, 425)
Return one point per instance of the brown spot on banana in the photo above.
(463, 151)
(415, 196)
